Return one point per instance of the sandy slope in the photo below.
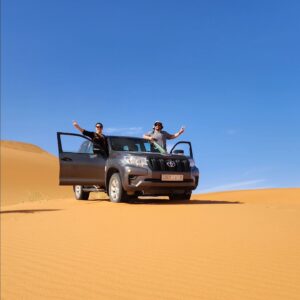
(233, 245)
(28, 173)
(227, 248)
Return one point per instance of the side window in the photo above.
(76, 144)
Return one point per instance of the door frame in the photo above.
(184, 142)
(60, 149)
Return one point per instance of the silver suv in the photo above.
(129, 168)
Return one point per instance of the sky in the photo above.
(229, 71)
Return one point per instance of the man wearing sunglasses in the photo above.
(160, 136)
(97, 137)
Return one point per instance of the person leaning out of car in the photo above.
(160, 136)
(98, 138)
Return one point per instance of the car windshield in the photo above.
(135, 145)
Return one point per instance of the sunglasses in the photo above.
(98, 126)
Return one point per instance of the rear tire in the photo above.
(115, 189)
(185, 196)
(79, 193)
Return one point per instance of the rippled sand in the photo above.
(234, 245)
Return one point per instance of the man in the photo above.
(98, 138)
(160, 136)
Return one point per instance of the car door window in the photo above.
(182, 148)
(76, 144)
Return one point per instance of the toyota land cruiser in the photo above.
(132, 167)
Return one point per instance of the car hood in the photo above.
(150, 154)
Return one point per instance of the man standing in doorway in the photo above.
(160, 136)
(98, 138)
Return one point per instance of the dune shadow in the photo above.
(26, 211)
(180, 202)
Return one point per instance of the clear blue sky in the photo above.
(227, 70)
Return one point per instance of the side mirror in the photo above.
(180, 152)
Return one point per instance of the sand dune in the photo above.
(231, 245)
(28, 173)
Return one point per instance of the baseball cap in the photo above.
(158, 123)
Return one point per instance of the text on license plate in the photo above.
(171, 177)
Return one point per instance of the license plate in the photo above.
(171, 177)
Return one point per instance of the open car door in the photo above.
(183, 148)
(78, 164)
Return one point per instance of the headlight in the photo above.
(138, 161)
(192, 163)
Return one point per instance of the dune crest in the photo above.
(23, 147)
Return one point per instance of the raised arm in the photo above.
(177, 134)
(148, 137)
(75, 124)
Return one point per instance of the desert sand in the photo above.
(228, 245)
(28, 173)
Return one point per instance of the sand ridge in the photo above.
(22, 147)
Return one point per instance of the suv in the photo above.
(132, 167)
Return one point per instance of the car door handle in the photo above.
(66, 159)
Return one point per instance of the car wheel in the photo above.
(185, 196)
(115, 189)
(79, 193)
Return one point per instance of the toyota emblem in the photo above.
(171, 163)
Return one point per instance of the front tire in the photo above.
(115, 189)
(79, 193)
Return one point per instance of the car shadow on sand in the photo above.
(180, 202)
(156, 201)
(26, 211)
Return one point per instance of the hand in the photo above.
(182, 129)
(75, 124)
(152, 139)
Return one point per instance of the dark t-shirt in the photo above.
(99, 141)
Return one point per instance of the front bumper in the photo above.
(146, 181)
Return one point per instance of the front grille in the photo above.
(159, 180)
(175, 165)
